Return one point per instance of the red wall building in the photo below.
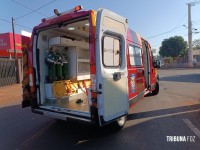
(7, 44)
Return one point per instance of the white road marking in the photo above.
(192, 127)
(37, 134)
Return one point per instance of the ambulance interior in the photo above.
(64, 64)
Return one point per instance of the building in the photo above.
(196, 55)
(7, 45)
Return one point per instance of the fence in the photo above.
(179, 62)
(7, 72)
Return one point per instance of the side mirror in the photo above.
(156, 63)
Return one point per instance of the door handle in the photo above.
(100, 86)
(117, 76)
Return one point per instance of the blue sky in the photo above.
(147, 17)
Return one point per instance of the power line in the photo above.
(164, 32)
(15, 23)
(27, 13)
(5, 20)
(195, 23)
(168, 31)
(29, 8)
(36, 9)
(23, 26)
(176, 27)
(181, 20)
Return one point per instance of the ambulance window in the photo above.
(111, 51)
(135, 54)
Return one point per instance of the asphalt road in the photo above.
(175, 111)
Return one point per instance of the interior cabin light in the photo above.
(71, 28)
(87, 24)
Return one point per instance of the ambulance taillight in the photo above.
(31, 80)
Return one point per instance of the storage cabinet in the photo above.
(79, 63)
(78, 57)
(66, 42)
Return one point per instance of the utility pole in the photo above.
(15, 53)
(190, 53)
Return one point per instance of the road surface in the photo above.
(152, 125)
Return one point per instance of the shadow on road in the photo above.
(163, 112)
(31, 131)
(193, 78)
(149, 134)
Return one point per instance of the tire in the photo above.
(156, 91)
(119, 123)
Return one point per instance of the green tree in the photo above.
(173, 47)
(196, 44)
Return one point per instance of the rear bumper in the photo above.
(61, 115)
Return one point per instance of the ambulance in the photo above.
(89, 66)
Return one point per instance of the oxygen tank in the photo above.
(65, 70)
(51, 65)
(59, 70)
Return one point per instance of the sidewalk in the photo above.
(10, 95)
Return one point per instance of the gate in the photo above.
(7, 72)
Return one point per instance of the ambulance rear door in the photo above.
(111, 66)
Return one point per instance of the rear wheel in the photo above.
(156, 91)
(119, 123)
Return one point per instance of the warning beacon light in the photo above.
(56, 12)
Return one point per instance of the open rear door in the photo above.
(111, 66)
(25, 83)
(147, 71)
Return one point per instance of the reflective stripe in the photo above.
(31, 83)
(93, 80)
(30, 78)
